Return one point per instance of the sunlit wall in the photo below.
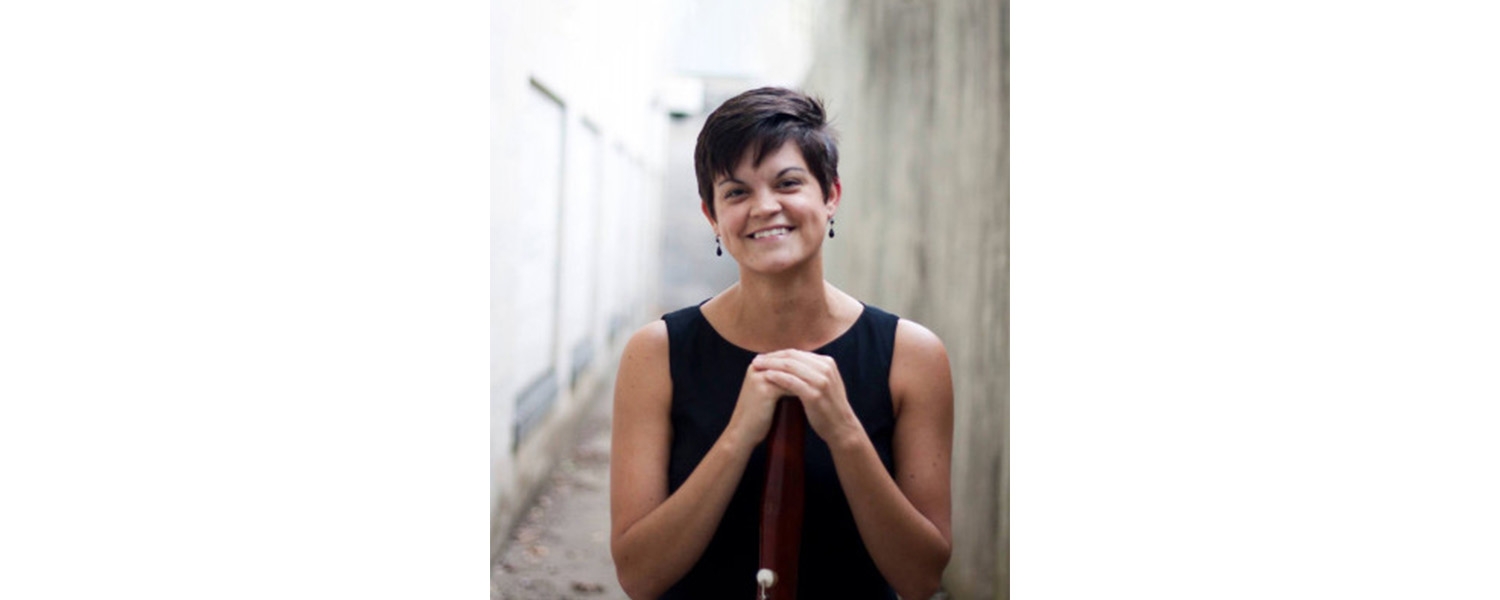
(578, 133)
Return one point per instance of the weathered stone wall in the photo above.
(919, 91)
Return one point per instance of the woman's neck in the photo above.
(791, 310)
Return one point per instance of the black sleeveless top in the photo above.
(707, 372)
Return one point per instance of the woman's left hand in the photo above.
(815, 379)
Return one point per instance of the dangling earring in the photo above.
(830, 227)
(718, 250)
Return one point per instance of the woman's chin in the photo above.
(775, 263)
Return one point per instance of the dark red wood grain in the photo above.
(781, 506)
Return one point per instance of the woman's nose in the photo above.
(765, 203)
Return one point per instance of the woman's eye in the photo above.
(790, 183)
(733, 193)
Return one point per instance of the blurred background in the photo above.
(595, 230)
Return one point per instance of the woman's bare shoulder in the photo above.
(650, 337)
(919, 364)
(645, 371)
(647, 348)
(917, 342)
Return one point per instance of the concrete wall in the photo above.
(577, 160)
(919, 91)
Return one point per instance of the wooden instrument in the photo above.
(781, 506)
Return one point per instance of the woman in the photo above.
(697, 390)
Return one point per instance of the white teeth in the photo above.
(769, 232)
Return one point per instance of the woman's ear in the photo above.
(710, 216)
(835, 193)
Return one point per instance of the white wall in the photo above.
(580, 236)
(578, 136)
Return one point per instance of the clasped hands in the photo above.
(812, 378)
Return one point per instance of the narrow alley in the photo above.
(598, 227)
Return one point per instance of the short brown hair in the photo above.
(762, 120)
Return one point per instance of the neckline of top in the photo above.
(864, 309)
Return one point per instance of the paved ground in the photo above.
(561, 547)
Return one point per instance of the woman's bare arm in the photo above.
(922, 448)
(655, 538)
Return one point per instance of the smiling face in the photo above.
(772, 216)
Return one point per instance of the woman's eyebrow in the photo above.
(778, 174)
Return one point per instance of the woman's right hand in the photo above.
(755, 408)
